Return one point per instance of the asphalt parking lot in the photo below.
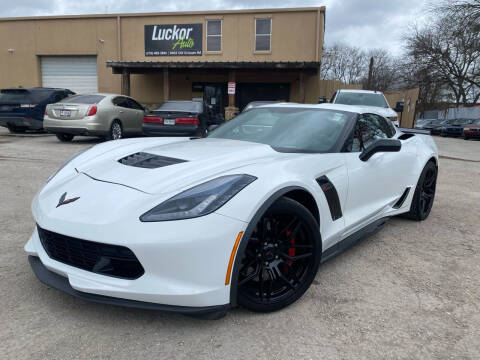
(411, 291)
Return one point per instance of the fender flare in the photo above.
(246, 235)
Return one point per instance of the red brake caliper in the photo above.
(291, 251)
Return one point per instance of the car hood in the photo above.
(183, 163)
(385, 112)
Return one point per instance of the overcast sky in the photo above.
(364, 23)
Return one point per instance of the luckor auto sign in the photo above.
(173, 40)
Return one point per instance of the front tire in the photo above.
(281, 258)
(65, 137)
(424, 193)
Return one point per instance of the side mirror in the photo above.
(399, 106)
(213, 127)
(380, 145)
(236, 113)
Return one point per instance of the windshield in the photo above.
(365, 99)
(187, 106)
(287, 129)
(84, 99)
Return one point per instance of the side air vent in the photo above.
(148, 161)
(405, 136)
(332, 197)
(402, 198)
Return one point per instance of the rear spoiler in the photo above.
(414, 131)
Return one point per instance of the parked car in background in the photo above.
(455, 127)
(22, 109)
(424, 124)
(436, 127)
(255, 104)
(109, 116)
(472, 131)
(178, 118)
(366, 98)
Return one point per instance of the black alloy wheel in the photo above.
(424, 193)
(281, 258)
(65, 137)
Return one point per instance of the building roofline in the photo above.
(171, 13)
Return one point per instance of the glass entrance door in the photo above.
(214, 97)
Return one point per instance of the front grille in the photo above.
(148, 161)
(105, 259)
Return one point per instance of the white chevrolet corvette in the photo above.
(241, 217)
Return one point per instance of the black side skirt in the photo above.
(352, 240)
(61, 283)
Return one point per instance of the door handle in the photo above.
(121, 111)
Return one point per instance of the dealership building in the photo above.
(227, 58)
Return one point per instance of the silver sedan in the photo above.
(109, 116)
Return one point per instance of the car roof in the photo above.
(357, 109)
(36, 89)
(106, 95)
(263, 102)
(360, 91)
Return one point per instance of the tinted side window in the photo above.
(134, 105)
(384, 124)
(120, 101)
(369, 127)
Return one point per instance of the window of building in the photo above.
(214, 35)
(263, 34)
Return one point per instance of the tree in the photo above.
(384, 74)
(469, 10)
(448, 51)
(344, 63)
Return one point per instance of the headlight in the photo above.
(200, 200)
(65, 163)
(466, 129)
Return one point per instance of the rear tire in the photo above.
(65, 137)
(16, 129)
(424, 193)
(281, 258)
(116, 131)
(201, 132)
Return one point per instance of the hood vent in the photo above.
(148, 161)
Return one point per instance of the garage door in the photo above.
(77, 73)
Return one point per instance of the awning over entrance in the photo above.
(231, 69)
(139, 67)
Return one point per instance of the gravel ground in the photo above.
(411, 291)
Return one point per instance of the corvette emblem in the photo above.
(63, 201)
